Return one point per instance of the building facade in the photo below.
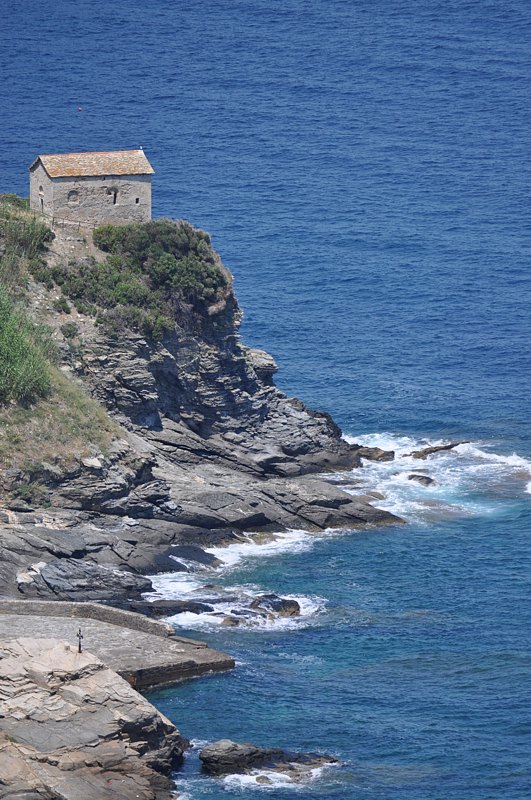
(92, 188)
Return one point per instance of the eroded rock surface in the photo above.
(209, 448)
(70, 728)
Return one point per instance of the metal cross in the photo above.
(79, 637)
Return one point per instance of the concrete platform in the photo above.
(143, 658)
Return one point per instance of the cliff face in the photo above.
(207, 447)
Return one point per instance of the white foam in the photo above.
(514, 460)
(528, 488)
(292, 541)
(468, 480)
(309, 608)
(275, 780)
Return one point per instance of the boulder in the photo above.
(374, 453)
(281, 606)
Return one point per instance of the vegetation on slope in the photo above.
(26, 350)
(150, 271)
(44, 416)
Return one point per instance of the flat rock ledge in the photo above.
(226, 757)
(71, 728)
(143, 651)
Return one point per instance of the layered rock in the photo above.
(72, 728)
(209, 449)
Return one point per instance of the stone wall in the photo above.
(113, 616)
(41, 191)
(100, 200)
(92, 201)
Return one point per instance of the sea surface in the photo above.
(364, 170)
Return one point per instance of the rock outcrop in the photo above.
(227, 757)
(208, 448)
(424, 480)
(70, 728)
(437, 448)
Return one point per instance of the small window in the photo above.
(114, 193)
(73, 196)
(137, 201)
(41, 190)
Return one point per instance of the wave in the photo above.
(232, 604)
(468, 480)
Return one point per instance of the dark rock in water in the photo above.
(165, 608)
(425, 480)
(279, 605)
(225, 756)
(374, 453)
(231, 622)
(438, 448)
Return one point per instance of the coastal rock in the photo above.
(374, 453)
(226, 757)
(280, 606)
(425, 480)
(72, 728)
(74, 579)
(208, 449)
(168, 608)
(438, 448)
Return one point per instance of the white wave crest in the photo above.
(467, 480)
(270, 779)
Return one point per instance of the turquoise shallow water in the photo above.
(364, 171)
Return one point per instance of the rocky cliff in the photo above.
(201, 446)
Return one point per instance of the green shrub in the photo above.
(149, 271)
(70, 330)
(26, 234)
(61, 305)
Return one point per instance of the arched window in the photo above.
(41, 190)
(73, 196)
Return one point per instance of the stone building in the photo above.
(92, 188)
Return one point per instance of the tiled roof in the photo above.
(116, 162)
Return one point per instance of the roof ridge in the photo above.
(93, 152)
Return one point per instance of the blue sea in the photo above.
(364, 170)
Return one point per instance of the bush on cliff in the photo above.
(150, 271)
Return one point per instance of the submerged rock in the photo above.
(437, 448)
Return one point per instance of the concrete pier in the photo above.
(145, 652)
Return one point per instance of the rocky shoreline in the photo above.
(206, 452)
